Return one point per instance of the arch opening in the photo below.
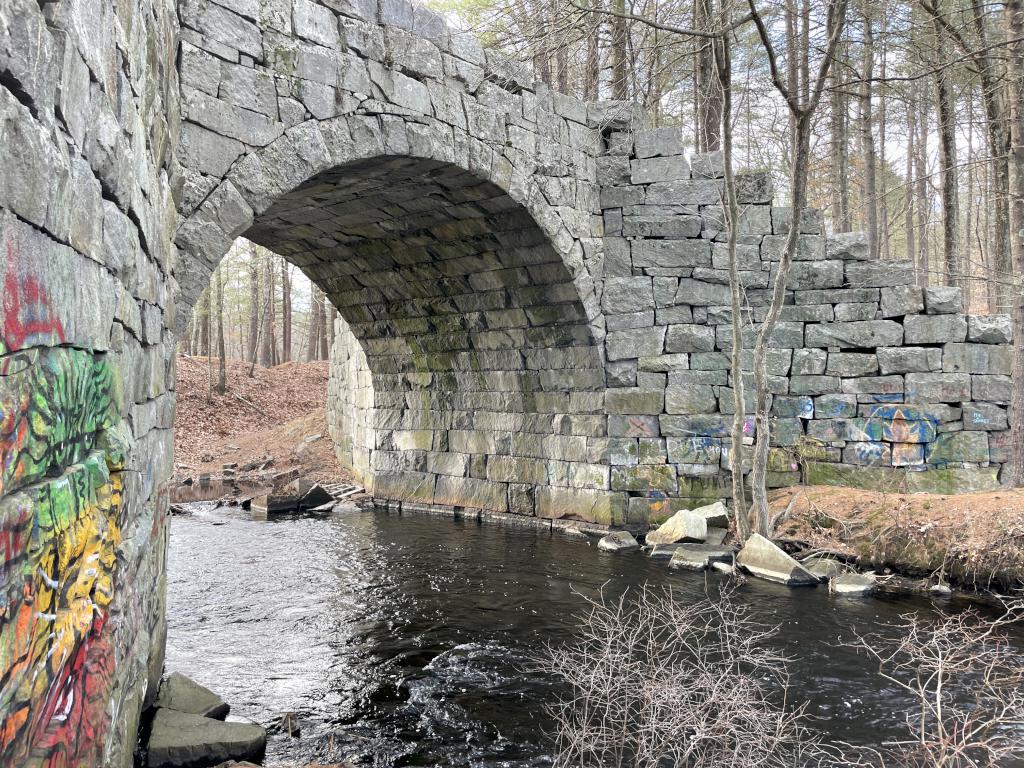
(464, 370)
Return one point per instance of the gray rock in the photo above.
(762, 558)
(663, 551)
(707, 165)
(990, 329)
(943, 300)
(697, 557)
(847, 245)
(824, 567)
(181, 694)
(181, 740)
(618, 541)
(902, 300)
(715, 515)
(934, 329)
(659, 169)
(656, 142)
(853, 584)
(684, 525)
(716, 536)
(865, 333)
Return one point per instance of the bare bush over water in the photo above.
(966, 680)
(658, 682)
(655, 681)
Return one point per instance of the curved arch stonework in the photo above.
(446, 205)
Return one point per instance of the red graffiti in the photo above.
(28, 318)
(72, 721)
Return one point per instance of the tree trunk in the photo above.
(867, 139)
(921, 192)
(222, 378)
(908, 188)
(592, 72)
(286, 313)
(325, 350)
(267, 331)
(312, 337)
(884, 235)
(1014, 12)
(254, 307)
(946, 109)
(708, 88)
(620, 60)
(204, 324)
(841, 220)
(741, 513)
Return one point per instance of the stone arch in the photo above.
(467, 365)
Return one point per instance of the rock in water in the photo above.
(824, 567)
(697, 557)
(760, 557)
(853, 584)
(180, 693)
(663, 551)
(684, 525)
(316, 496)
(618, 541)
(181, 740)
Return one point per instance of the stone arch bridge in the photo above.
(532, 291)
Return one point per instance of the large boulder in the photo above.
(684, 525)
(618, 541)
(760, 557)
(179, 693)
(180, 740)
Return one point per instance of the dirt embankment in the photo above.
(278, 414)
(974, 540)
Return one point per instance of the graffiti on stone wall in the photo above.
(28, 318)
(60, 499)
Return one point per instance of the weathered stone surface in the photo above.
(853, 584)
(698, 557)
(867, 333)
(943, 300)
(179, 693)
(990, 329)
(682, 526)
(762, 558)
(180, 740)
(901, 300)
(618, 541)
(934, 329)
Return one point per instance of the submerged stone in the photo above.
(762, 558)
(853, 584)
(618, 541)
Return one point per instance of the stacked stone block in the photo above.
(873, 379)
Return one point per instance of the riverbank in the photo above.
(973, 540)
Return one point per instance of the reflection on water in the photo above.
(401, 640)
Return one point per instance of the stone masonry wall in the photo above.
(88, 124)
(874, 380)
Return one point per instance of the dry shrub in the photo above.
(658, 682)
(966, 678)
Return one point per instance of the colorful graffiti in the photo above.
(60, 500)
(28, 317)
(894, 423)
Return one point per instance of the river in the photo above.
(401, 640)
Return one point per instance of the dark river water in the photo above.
(400, 640)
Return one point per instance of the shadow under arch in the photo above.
(466, 369)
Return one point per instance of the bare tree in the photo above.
(803, 111)
(1014, 12)
(654, 681)
(966, 681)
